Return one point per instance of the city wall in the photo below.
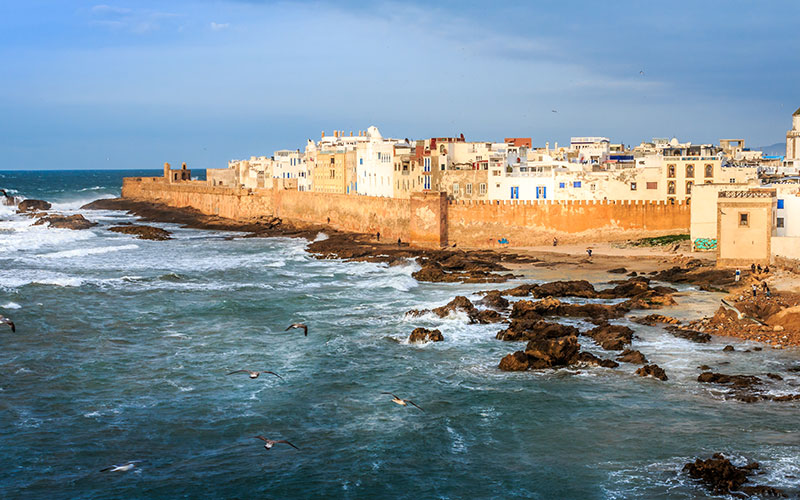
(426, 219)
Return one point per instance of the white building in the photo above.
(291, 164)
(590, 149)
(375, 164)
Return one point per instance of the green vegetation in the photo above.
(659, 241)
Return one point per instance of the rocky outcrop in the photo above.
(522, 329)
(143, 232)
(656, 319)
(654, 371)
(515, 362)
(737, 381)
(721, 477)
(553, 307)
(422, 335)
(33, 206)
(618, 270)
(75, 222)
(461, 304)
(728, 348)
(611, 337)
(689, 334)
(550, 353)
(633, 288)
(587, 358)
(494, 300)
(633, 357)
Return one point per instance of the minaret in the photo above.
(793, 138)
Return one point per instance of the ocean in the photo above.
(123, 347)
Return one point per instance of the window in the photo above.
(561, 185)
(633, 186)
(495, 173)
(780, 221)
(468, 188)
(332, 160)
(709, 182)
(733, 181)
(709, 170)
(576, 184)
(780, 204)
(441, 167)
(652, 185)
(671, 187)
(515, 192)
(671, 201)
(541, 192)
(690, 170)
(689, 187)
(361, 161)
(671, 171)
(497, 185)
(482, 188)
(744, 219)
(455, 188)
(591, 187)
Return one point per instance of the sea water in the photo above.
(123, 347)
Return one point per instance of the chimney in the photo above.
(323, 134)
(351, 133)
(547, 145)
(556, 146)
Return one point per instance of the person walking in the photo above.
(589, 251)
(758, 268)
(399, 242)
(737, 275)
(766, 269)
(753, 267)
(378, 235)
(755, 290)
(555, 242)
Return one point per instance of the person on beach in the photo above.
(766, 269)
(399, 242)
(753, 267)
(555, 242)
(589, 251)
(758, 268)
(765, 289)
(755, 290)
(737, 275)
(378, 236)
(329, 220)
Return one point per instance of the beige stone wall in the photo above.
(469, 184)
(426, 219)
(738, 244)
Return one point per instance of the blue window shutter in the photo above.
(544, 192)
(780, 204)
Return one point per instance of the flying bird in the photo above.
(255, 374)
(120, 468)
(8, 322)
(740, 314)
(641, 72)
(269, 443)
(553, 111)
(401, 401)
(299, 325)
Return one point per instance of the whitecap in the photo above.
(83, 252)
(321, 237)
(11, 305)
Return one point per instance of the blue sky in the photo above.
(124, 84)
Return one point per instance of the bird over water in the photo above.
(401, 401)
(8, 322)
(255, 374)
(269, 443)
(299, 325)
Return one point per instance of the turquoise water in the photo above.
(123, 346)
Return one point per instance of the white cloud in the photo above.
(219, 26)
(125, 19)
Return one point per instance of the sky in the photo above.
(132, 84)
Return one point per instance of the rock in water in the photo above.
(32, 206)
(631, 356)
(728, 348)
(611, 337)
(549, 353)
(143, 232)
(425, 335)
(494, 300)
(654, 371)
(720, 476)
(515, 362)
(75, 222)
(536, 329)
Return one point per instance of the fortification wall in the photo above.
(426, 219)
(533, 223)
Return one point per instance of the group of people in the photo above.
(756, 269)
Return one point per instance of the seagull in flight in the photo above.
(255, 374)
(4, 320)
(553, 111)
(401, 401)
(740, 314)
(269, 443)
(299, 325)
(121, 468)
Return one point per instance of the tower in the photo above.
(166, 171)
(793, 139)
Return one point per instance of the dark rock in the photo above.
(728, 348)
(425, 335)
(611, 337)
(461, 304)
(720, 476)
(488, 316)
(574, 288)
(75, 222)
(688, 334)
(515, 362)
(758, 348)
(704, 367)
(618, 270)
(549, 353)
(494, 300)
(143, 232)
(590, 359)
(631, 356)
(536, 329)
(763, 491)
(774, 376)
(655, 319)
(633, 274)
(33, 205)
(654, 371)
(738, 381)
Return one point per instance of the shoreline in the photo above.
(499, 265)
